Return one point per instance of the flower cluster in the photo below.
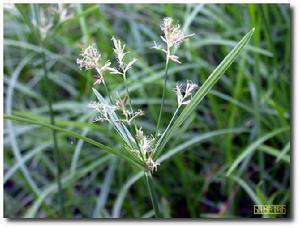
(146, 148)
(103, 109)
(64, 12)
(90, 58)
(184, 92)
(48, 18)
(120, 53)
(173, 37)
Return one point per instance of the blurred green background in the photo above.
(242, 114)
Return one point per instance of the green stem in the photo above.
(48, 86)
(135, 128)
(127, 91)
(153, 196)
(163, 95)
(169, 125)
(108, 92)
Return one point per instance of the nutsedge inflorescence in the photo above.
(119, 112)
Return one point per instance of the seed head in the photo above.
(45, 22)
(173, 35)
(90, 58)
(103, 109)
(120, 53)
(145, 143)
(64, 12)
(184, 92)
(146, 147)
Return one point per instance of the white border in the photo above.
(295, 222)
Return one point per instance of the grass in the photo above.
(232, 149)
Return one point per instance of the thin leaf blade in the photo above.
(75, 135)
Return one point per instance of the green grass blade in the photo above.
(247, 189)
(75, 135)
(122, 194)
(204, 89)
(283, 153)
(52, 187)
(203, 137)
(12, 170)
(105, 189)
(152, 193)
(275, 153)
(11, 130)
(248, 151)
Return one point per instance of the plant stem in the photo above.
(169, 125)
(108, 92)
(135, 128)
(48, 86)
(153, 197)
(127, 91)
(163, 95)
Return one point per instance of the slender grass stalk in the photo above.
(170, 124)
(127, 91)
(163, 95)
(152, 193)
(108, 92)
(56, 156)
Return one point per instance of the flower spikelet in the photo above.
(119, 50)
(90, 58)
(173, 37)
(146, 144)
(185, 92)
(103, 109)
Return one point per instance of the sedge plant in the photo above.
(140, 149)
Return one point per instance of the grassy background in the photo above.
(242, 114)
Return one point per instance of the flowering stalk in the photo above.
(163, 97)
(184, 96)
(173, 37)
